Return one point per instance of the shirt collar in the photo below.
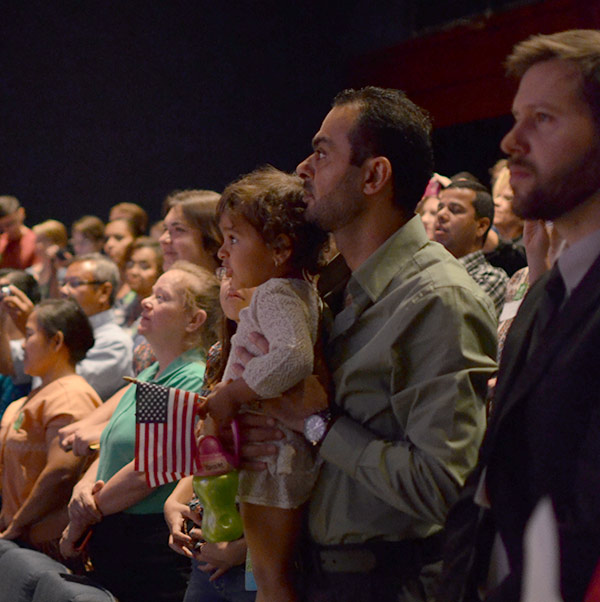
(575, 261)
(374, 275)
(474, 258)
(101, 318)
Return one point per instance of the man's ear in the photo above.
(483, 224)
(377, 174)
(104, 292)
(282, 249)
(21, 215)
(197, 319)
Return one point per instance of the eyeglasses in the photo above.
(76, 283)
(221, 273)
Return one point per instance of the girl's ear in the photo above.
(58, 340)
(282, 249)
(197, 319)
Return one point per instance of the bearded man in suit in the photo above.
(543, 437)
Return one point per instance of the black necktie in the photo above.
(550, 303)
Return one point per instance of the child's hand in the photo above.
(221, 407)
(202, 407)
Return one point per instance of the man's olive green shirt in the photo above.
(410, 356)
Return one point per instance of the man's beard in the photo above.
(560, 193)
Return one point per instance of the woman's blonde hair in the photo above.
(502, 179)
(201, 292)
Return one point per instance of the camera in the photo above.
(4, 291)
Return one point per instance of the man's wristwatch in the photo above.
(316, 426)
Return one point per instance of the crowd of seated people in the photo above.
(418, 490)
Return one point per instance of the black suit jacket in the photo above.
(543, 439)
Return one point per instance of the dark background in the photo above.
(111, 101)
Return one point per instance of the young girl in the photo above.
(268, 244)
(218, 573)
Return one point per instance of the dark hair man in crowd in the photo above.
(17, 242)
(543, 437)
(410, 350)
(464, 217)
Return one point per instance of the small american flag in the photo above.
(165, 446)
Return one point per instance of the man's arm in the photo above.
(440, 411)
(14, 311)
(6, 361)
(106, 363)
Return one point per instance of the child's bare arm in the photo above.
(224, 403)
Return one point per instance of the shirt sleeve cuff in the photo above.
(345, 443)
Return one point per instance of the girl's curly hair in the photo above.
(272, 202)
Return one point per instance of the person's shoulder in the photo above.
(69, 390)
(110, 331)
(74, 382)
(188, 370)
(283, 286)
(438, 276)
(435, 268)
(495, 270)
(276, 290)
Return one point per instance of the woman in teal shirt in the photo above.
(128, 547)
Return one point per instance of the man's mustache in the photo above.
(520, 162)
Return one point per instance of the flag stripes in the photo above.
(165, 442)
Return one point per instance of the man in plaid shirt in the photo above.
(465, 215)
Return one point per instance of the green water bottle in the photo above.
(215, 483)
(221, 520)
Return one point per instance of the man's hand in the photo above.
(295, 405)
(244, 356)
(19, 306)
(58, 257)
(257, 433)
(537, 244)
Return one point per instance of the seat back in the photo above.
(64, 587)
(6, 545)
(20, 571)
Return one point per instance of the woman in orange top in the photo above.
(37, 475)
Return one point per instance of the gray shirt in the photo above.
(410, 359)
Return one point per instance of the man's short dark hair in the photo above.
(391, 125)
(482, 203)
(580, 47)
(8, 205)
(24, 281)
